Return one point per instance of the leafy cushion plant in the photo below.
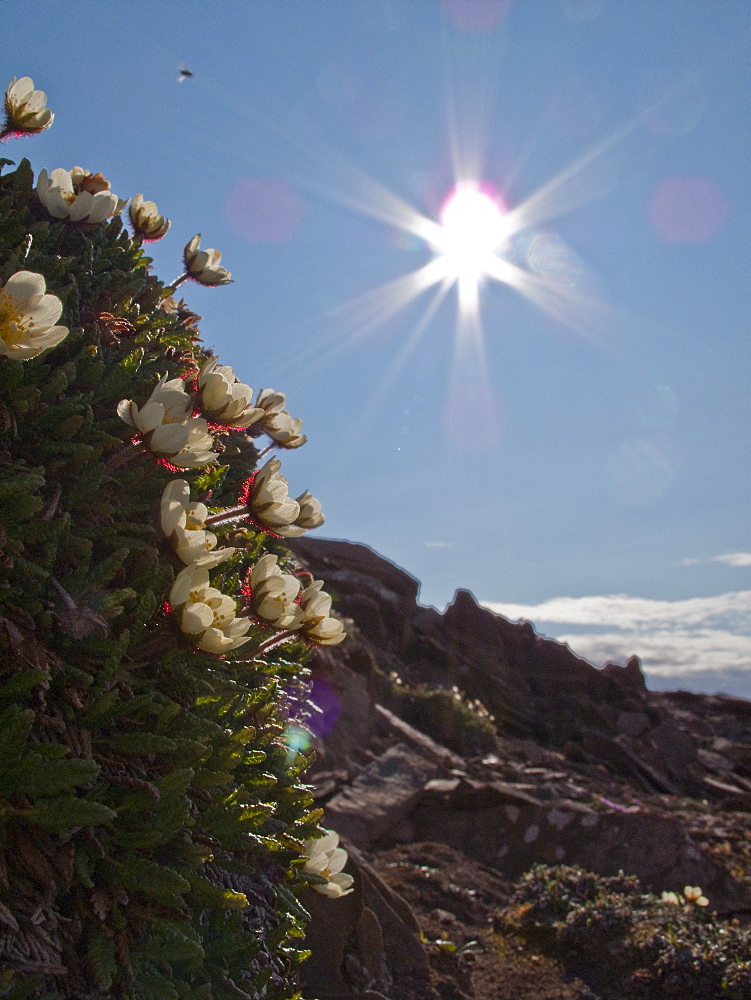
(153, 820)
(628, 944)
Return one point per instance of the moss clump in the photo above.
(152, 816)
(628, 944)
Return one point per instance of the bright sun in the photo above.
(472, 230)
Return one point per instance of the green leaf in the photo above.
(20, 684)
(36, 775)
(175, 943)
(83, 868)
(21, 985)
(153, 986)
(205, 893)
(212, 779)
(176, 782)
(152, 879)
(14, 731)
(292, 903)
(68, 812)
(101, 955)
(142, 743)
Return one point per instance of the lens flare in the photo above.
(328, 707)
(264, 209)
(687, 209)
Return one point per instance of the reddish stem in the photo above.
(124, 455)
(230, 514)
(271, 643)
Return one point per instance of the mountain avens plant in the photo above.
(155, 833)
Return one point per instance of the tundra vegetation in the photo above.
(155, 830)
(630, 944)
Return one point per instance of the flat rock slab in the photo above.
(421, 742)
(466, 793)
(381, 796)
(512, 837)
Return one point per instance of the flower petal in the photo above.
(26, 286)
(196, 617)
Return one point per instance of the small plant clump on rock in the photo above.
(445, 714)
(628, 944)
(154, 830)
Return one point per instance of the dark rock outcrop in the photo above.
(535, 687)
(364, 943)
(589, 768)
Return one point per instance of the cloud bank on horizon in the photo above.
(728, 558)
(704, 641)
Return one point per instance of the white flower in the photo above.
(183, 523)
(167, 427)
(284, 429)
(146, 220)
(316, 624)
(310, 515)
(205, 613)
(27, 317)
(670, 897)
(270, 401)
(223, 398)
(203, 265)
(78, 195)
(273, 594)
(276, 421)
(694, 895)
(25, 109)
(326, 858)
(168, 404)
(270, 504)
(196, 452)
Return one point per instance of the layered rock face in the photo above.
(536, 688)
(586, 766)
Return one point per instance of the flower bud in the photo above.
(146, 220)
(310, 515)
(203, 265)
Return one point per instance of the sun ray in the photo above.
(469, 261)
(471, 412)
(369, 198)
(367, 312)
(378, 305)
(587, 178)
(585, 314)
(398, 365)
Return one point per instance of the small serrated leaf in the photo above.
(68, 812)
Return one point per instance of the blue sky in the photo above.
(591, 440)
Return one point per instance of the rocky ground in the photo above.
(457, 750)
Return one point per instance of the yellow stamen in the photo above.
(15, 325)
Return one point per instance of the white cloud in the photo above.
(634, 613)
(667, 653)
(439, 545)
(729, 558)
(735, 558)
(674, 639)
